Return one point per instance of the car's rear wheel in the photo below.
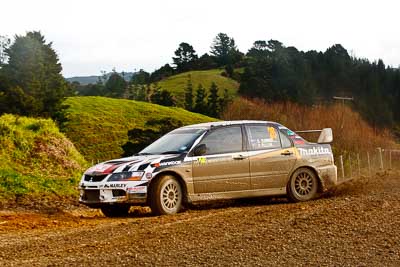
(115, 211)
(166, 196)
(303, 185)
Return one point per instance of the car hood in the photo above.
(132, 163)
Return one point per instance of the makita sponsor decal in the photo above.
(314, 151)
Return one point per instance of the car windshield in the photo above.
(176, 142)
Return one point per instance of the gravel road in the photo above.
(357, 225)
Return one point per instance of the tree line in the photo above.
(273, 72)
(278, 73)
(31, 82)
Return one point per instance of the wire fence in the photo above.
(352, 165)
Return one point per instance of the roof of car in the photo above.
(224, 123)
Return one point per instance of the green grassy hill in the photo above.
(36, 159)
(177, 83)
(98, 126)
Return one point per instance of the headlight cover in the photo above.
(125, 176)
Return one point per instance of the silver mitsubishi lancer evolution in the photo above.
(213, 161)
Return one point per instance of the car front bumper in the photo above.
(100, 195)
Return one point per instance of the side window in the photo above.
(262, 137)
(297, 139)
(223, 140)
(286, 143)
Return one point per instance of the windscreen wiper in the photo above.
(171, 152)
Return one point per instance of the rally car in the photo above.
(212, 161)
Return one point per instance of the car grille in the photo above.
(91, 195)
(94, 178)
(118, 193)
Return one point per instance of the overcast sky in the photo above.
(90, 36)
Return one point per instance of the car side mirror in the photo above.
(199, 150)
(326, 136)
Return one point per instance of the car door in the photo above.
(271, 154)
(225, 165)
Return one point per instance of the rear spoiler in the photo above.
(325, 137)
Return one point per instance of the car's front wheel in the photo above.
(115, 211)
(166, 196)
(303, 185)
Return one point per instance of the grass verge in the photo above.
(99, 126)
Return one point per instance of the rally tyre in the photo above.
(302, 186)
(166, 196)
(115, 211)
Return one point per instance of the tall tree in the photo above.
(167, 99)
(36, 85)
(189, 94)
(256, 79)
(162, 97)
(206, 62)
(337, 64)
(273, 45)
(259, 49)
(225, 50)
(396, 97)
(148, 91)
(115, 85)
(137, 92)
(163, 72)
(213, 101)
(140, 77)
(224, 100)
(185, 57)
(133, 89)
(154, 95)
(200, 105)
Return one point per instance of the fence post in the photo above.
(351, 169)
(341, 165)
(380, 157)
(369, 165)
(358, 163)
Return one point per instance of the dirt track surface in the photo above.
(359, 224)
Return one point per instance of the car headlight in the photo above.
(125, 176)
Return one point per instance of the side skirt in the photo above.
(237, 194)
